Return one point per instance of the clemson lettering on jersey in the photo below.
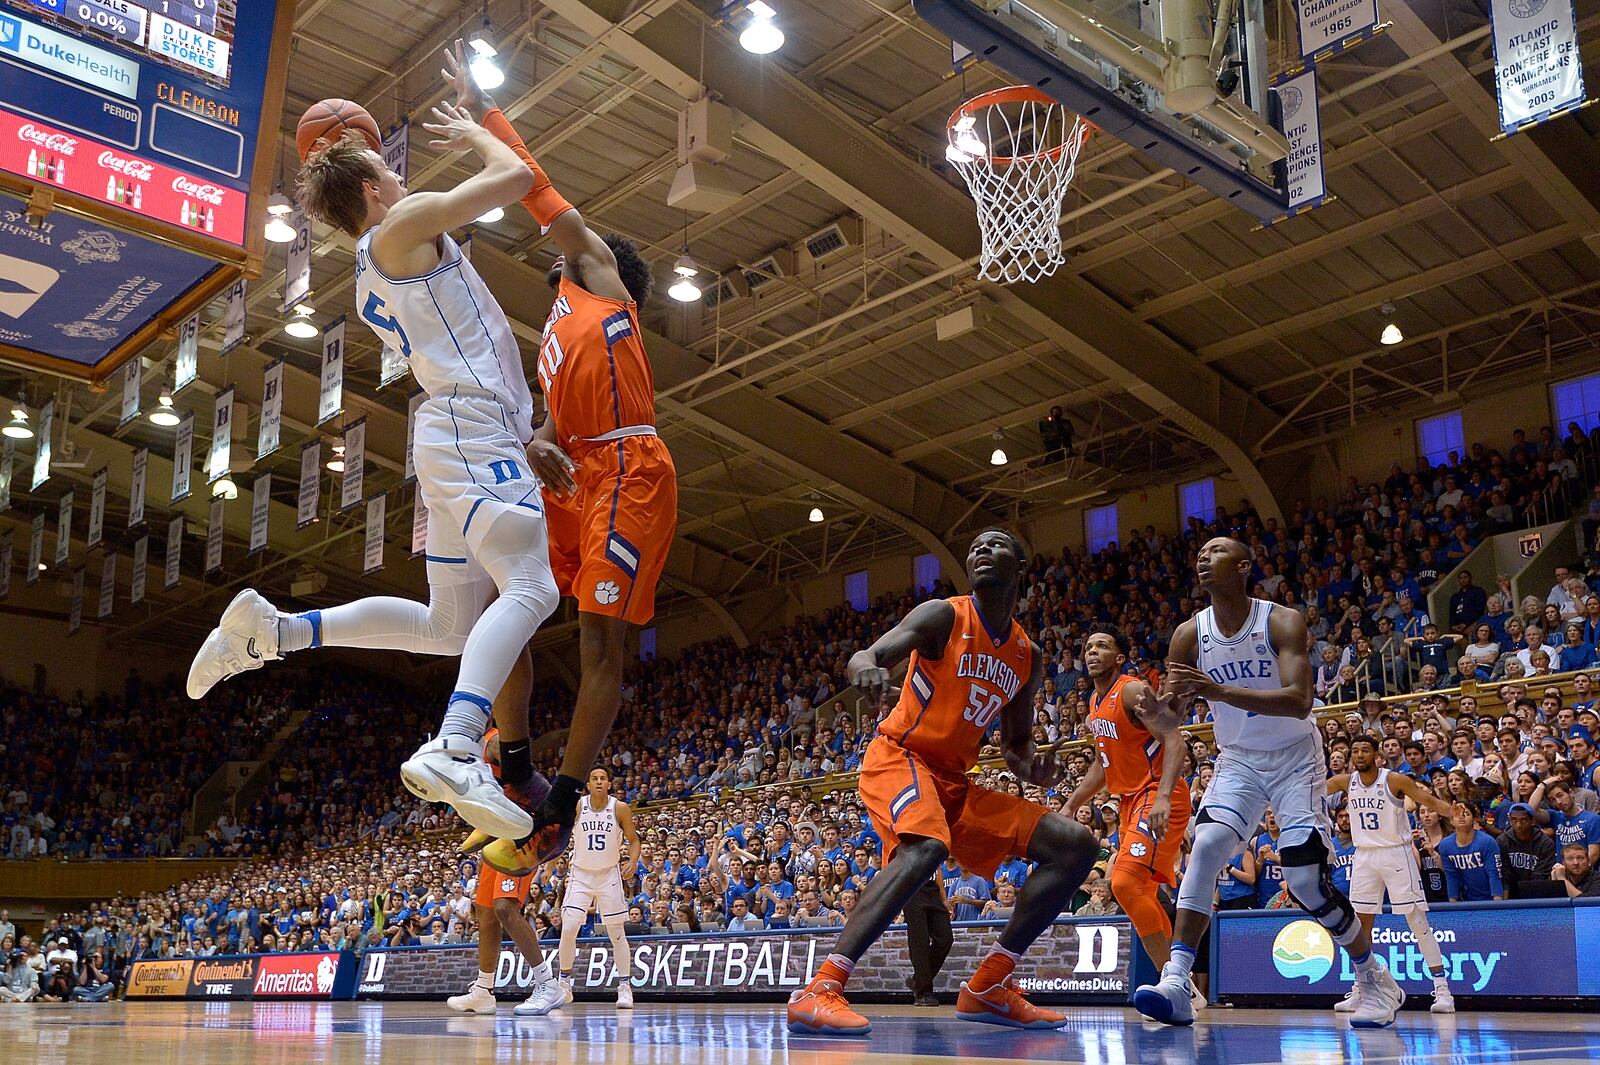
(990, 668)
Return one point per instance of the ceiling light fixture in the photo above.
(300, 324)
(163, 414)
(224, 488)
(816, 515)
(684, 290)
(762, 35)
(998, 456)
(336, 463)
(278, 229)
(1391, 334)
(484, 70)
(18, 428)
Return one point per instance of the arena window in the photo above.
(647, 644)
(1198, 499)
(1100, 526)
(855, 589)
(1440, 435)
(1577, 401)
(925, 573)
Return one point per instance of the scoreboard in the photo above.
(158, 117)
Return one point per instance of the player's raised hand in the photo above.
(1043, 771)
(452, 129)
(1187, 682)
(469, 97)
(553, 466)
(1160, 711)
(876, 682)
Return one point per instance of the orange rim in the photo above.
(1013, 94)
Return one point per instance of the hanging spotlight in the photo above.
(998, 456)
(18, 428)
(965, 145)
(301, 325)
(1391, 332)
(336, 462)
(762, 36)
(484, 70)
(224, 488)
(684, 290)
(816, 515)
(278, 229)
(491, 216)
(163, 414)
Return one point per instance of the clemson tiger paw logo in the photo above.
(1138, 850)
(606, 592)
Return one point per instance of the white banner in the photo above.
(214, 536)
(310, 482)
(1327, 23)
(6, 544)
(132, 382)
(1302, 125)
(141, 469)
(108, 586)
(271, 411)
(64, 530)
(391, 366)
(41, 457)
(417, 399)
(75, 619)
(260, 506)
(141, 560)
(182, 457)
(419, 525)
(8, 461)
(1537, 68)
(330, 397)
(397, 149)
(97, 508)
(187, 364)
(174, 551)
(35, 549)
(233, 318)
(221, 436)
(353, 484)
(372, 554)
(297, 272)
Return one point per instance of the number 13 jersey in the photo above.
(948, 704)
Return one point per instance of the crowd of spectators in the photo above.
(337, 855)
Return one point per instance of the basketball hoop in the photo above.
(1017, 153)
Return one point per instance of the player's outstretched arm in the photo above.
(1160, 715)
(925, 630)
(1340, 783)
(1287, 630)
(1407, 788)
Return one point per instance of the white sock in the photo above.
(1181, 962)
(486, 980)
(296, 632)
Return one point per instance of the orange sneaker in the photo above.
(819, 1008)
(1004, 1004)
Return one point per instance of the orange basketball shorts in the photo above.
(1135, 845)
(609, 539)
(907, 796)
(493, 885)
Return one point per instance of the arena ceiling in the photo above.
(1180, 336)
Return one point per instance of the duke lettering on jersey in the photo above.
(989, 668)
(1246, 659)
(595, 837)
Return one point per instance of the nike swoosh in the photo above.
(452, 784)
(1003, 1010)
(967, 636)
(250, 649)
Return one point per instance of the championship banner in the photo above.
(391, 366)
(297, 272)
(396, 150)
(6, 542)
(132, 382)
(97, 508)
(159, 979)
(1077, 960)
(310, 463)
(141, 468)
(174, 552)
(108, 586)
(330, 397)
(372, 553)
(182, 458)
(271, 411)
(221, 436)
(64, 530)
(35, 549)
(8, 459)
(41, 457)
(233, 319)
(1302, 126)
(141, 560)
(186, 366)
(416, 400)
(355, 464)
(419, 525)
(75, 618)
(1328, 27)
(1537, 67)
(214, 536)
(260, 505)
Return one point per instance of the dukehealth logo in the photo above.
(10, 33)
(60, 54)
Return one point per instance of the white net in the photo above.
(1017, 153)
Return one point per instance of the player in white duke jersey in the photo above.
(595, 880)
(486, 527)
(1248, 659)
(1386, 856)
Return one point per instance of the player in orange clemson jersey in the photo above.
(971, 667)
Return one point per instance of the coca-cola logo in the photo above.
(137, 169)
(207, 193)
(55, 142)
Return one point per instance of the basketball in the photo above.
(326, 120)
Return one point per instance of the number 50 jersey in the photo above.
(948, 704)
(450, 330)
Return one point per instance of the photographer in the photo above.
(94, 985)
(60, 972)
(19, 983)
(1055, 433)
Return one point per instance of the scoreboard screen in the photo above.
(190, 35)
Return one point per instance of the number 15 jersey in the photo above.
(947, 705)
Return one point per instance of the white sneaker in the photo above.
(546, 997)
(246, 638)
(478, 999)
(566, 990)
(1166, 1001)
(624, 996)
(1197, 998)
(1443, 1001)
(1348, 1003)
(449, 770)
(1380, 998)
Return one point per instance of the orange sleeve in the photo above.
(544, 202)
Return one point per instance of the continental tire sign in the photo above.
(159, 979)
(1074, 961)
(224, 978)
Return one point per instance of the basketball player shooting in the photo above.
(1386, 859)
(486, 523)
(611, 491)
(970, 666)
(1248, 659)
(1140, 750)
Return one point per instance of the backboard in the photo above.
(1159, 74)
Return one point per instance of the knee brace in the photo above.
(1133, 886)
(1310, 883)
(1214, 844)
